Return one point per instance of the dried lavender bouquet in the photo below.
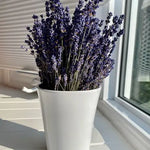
(73, 53)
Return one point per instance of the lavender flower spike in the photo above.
(73, 53)
(54, 61)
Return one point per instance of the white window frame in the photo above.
(129, 120)
(112, 82)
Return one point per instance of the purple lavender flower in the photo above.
(60, 50)
(121, 32)
(65, 80)
(73, 53)
(80, 63)
(54, 61)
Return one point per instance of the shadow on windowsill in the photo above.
(20, 137)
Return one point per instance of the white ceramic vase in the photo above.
(68, 118)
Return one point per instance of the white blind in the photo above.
(15, 15)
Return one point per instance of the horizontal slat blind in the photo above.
(15, 15)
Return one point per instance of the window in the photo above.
(135, 67)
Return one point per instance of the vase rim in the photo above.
(81, 91)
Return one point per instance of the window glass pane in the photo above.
(137, 73)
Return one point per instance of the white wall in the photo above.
(103, 10)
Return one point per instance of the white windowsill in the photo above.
(134, 128)
(21, 125)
